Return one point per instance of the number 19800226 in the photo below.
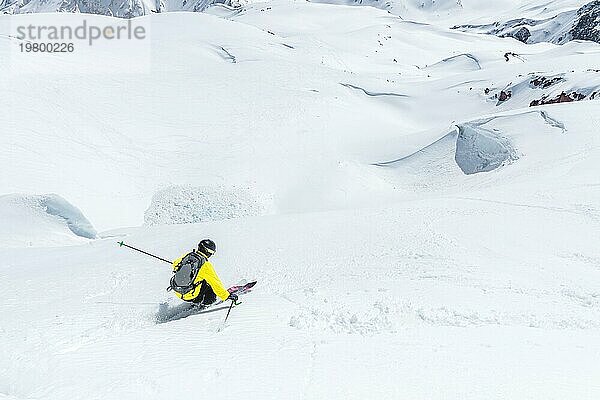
(47, 47)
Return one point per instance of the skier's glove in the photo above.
(233, 297)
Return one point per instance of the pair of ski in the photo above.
(184, 310)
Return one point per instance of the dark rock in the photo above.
(522, 34)
(561, 98)
(587, 25)
(544, 82)
(505, 95)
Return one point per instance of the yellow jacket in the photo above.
(207, 273)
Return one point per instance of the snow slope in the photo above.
(413, 235)
(47, 220)
(439, 11)
(122, 9)
(576, 24)
(215, 117)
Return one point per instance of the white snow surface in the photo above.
(185, 205)
(413, 236)
(46, 220)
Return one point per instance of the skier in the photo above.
(195, 279)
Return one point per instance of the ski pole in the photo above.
(233, 303)
(121, 244)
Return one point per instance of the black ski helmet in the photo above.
(207, 247)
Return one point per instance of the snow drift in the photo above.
(526, 138)
(482, 150)
(41, 220)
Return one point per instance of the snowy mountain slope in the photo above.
(319, 172)
(231, 117)
(513, 305)
(231, 134)
(472, 11)
(413, 236)
(545, 149)
(458, 11)
(582, 23)
(123, 9)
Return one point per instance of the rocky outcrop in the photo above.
(120, 9)
(544, 82)
(561, 98)
(522, 34)
(537, 89)
(581, 24)
(587, 25)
